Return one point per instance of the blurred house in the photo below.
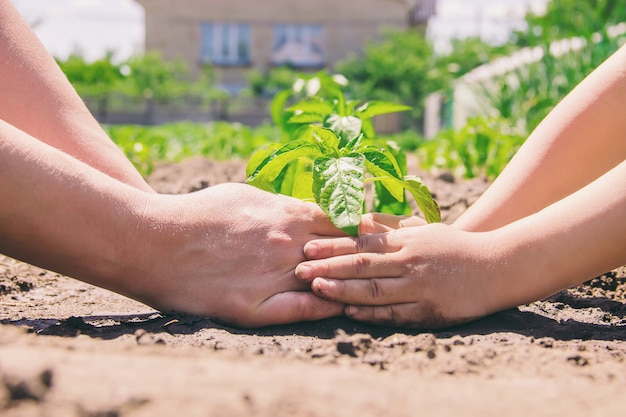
(237, 35)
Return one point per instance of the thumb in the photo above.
(294, 306)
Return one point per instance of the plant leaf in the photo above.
(279, 116)
(384, 202)
(423, 198)
(376, 108)
(327, 138)
(260, 156)
(306, 118)
(312, 106)
(353, 144)
(285, 182)
(268, 170)
(338, 189)
(347, 127)
(303, 186)
(383, 167)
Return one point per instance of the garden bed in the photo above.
(71, 349)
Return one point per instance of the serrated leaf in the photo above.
(266, 173)
(376, 108)
(338, 189)
(423, 198)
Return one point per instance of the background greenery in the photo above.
(401, 67)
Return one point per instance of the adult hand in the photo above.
(429, 276)
(229, 252)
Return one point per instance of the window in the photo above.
(225, 44)
(298, 45)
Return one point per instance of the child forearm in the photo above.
(573, 240)
(581, 139)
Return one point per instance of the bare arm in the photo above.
(437, 275)
(228, 252)
(527, 237)
(36, 97)
(581, 139)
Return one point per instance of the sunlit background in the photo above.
(484, 77)
(92, 27)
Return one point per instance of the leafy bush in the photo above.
(148, 76)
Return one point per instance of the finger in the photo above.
(360, 265)
(377, 223)
(412, 222)
(401, 315)
(375, 291)
(327, 248)
(293, 306)
(383, 222)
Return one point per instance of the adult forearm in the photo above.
(61, 214)
(575, 239)
(581, 139)
(37, 98)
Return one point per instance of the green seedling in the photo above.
(331, 157)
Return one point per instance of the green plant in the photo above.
(482, 147)
(147, 145)
(332, 146)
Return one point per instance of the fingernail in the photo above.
(304, 272)
(311, 250)
(322, 285)
(351, 311)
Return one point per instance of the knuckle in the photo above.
(375, 289)
(388, 315)
(361, 243)
(335, 248)
(323, 269)
(394, 314)
(361, 264)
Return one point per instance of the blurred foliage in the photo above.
(147, 145)
(525, 95)
(518, 100)
(146, 76)
(570, 18)
(269, 83)
(404, 67)
(401, 67)
(482, 147)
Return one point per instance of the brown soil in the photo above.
(70, 349)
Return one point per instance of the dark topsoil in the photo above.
(70, 349)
